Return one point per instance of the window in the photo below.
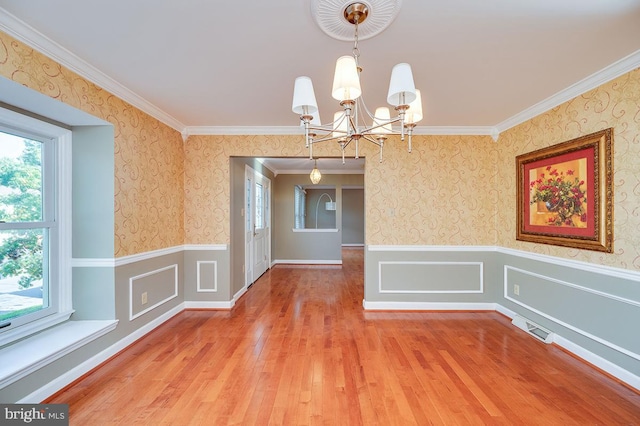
(248, 206)
(299, 211)
(34, 255)
(259, 206)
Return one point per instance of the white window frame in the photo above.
(59, 140)
(299, 207)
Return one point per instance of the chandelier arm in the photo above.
(327, 138)
(355, 109)
(369, 130)
(392, 121)
(314, 129)
(372, 140)
(361, 101)
(329, 127)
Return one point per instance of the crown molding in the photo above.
(454, 130)
(324, 172)
(605, 75)
(244, 130)
(297, 130)
(28, 35)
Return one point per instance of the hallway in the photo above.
(298, 348)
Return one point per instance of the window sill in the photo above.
(26, 356)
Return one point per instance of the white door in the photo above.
(257, 229)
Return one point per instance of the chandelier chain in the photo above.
(350, 124)
(356, 50)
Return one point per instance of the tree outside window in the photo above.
(21, 237)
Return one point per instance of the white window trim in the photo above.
(63, 160)
(299, 207)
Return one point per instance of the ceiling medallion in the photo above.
(330, 17)
(355, 121)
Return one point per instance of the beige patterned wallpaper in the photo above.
(149, 193)
(206, 179)
(615, 104)
(442, 193)
(451, 190)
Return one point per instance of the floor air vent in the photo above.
(533, 329)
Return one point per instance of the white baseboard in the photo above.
(238, 295)
(209, 305)
(577, 350)
(596, 360)
(505, 311)
(586, 355)
(75, 373)
(427, 306)
(305, 262)
(93, 362)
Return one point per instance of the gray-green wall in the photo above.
(352, 216)
(593, 310)
(315, 202)
(307, 245)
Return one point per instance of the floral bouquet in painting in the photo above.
(561, 194)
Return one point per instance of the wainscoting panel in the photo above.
(415, 277)
(592, 310)
(207, 276)
(156, 287)
(434, 277)
(598, 315)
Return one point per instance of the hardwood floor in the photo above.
(298, 349)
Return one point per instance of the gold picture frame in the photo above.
(565, 193)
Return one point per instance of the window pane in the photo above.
(21, 273)
(20, 179)
(248, 207)
(259, 206)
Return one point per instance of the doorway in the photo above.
(257, 230)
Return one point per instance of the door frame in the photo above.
(250, 178)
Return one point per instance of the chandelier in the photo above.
(355, 122)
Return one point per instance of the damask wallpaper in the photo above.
(451, 190)
(149, 160)
(614, 104)
(442, 193)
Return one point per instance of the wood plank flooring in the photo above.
(298, 349)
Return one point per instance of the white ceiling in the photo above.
(228, 67)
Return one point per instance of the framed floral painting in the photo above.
(565, 193)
